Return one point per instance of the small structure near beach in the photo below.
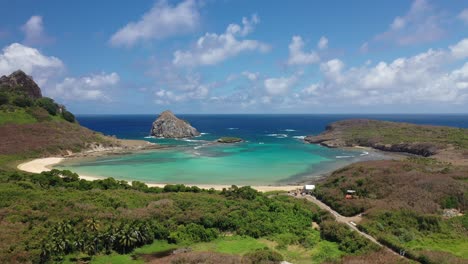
(167, 125)
(308, 189)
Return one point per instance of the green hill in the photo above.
(32, 125)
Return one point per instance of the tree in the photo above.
(48, 104)
(68, 116)
(22, 101)
(4, 99)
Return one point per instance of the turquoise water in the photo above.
(273, 154)
(201, 162)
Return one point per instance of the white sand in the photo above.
(45, 164)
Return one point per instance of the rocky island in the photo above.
(167, 125)
(227, 140)
(421, 140)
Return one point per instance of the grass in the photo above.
(18, 116)
(235, 245)
(441, 242)
(230, 245)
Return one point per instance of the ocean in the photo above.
(273, 152)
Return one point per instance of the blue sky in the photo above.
(207, 56)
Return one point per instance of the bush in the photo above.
(262, 256)
(48, 104)
(68, 116)
(22, 101)
(39, 114)
(4, 99)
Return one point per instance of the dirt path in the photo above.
(349, 221)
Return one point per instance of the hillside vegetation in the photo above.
(421, 140)
(51, 215)
(32, 125)
(403, 203)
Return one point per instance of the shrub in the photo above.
(22, 101)
(4, 99)
(68, 116)
(39, 114)
(48, 104)
(262, 256)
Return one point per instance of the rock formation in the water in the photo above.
(229, 140)
(19, 81)
(169, 126)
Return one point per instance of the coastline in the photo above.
(45, 164)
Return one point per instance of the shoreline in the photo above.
(46, 164)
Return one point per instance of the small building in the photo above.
(309, 188)
(350, 194)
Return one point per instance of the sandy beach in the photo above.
(45, 164)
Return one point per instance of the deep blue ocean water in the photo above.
(252, 126)
(273, 153)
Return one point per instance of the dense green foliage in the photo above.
(263, 256)
(68, 116)
(55, 213)
(348, 240)
(413, 232)
(48, 104)
(4, 99)
(14, 102)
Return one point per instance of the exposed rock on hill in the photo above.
(421, 140)
(19, 81)
(167, 125)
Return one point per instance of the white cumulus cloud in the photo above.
(323, 43)
(34, 32)
(214, 48)
(162, 21)
(279, 86)
(20, 57)
(463, 16)
(92, 87)
(420, 24)
(298, 56)
(421, 78)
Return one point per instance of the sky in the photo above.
(242, 56)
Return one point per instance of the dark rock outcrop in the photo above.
(228, 140)
(167, 125)
(19, 81)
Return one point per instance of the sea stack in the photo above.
(167, 125)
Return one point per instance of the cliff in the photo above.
(167, 125)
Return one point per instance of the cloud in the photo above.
(162, 21)
(297, 56)
(421, 78)
(252, 76)
(34, 32)
(30, 60)
(176, 85)
(212, 48)
(463, 16)
(419, 25)
(92, 87)
(323, 43)
(460, 50)
(279, 86)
